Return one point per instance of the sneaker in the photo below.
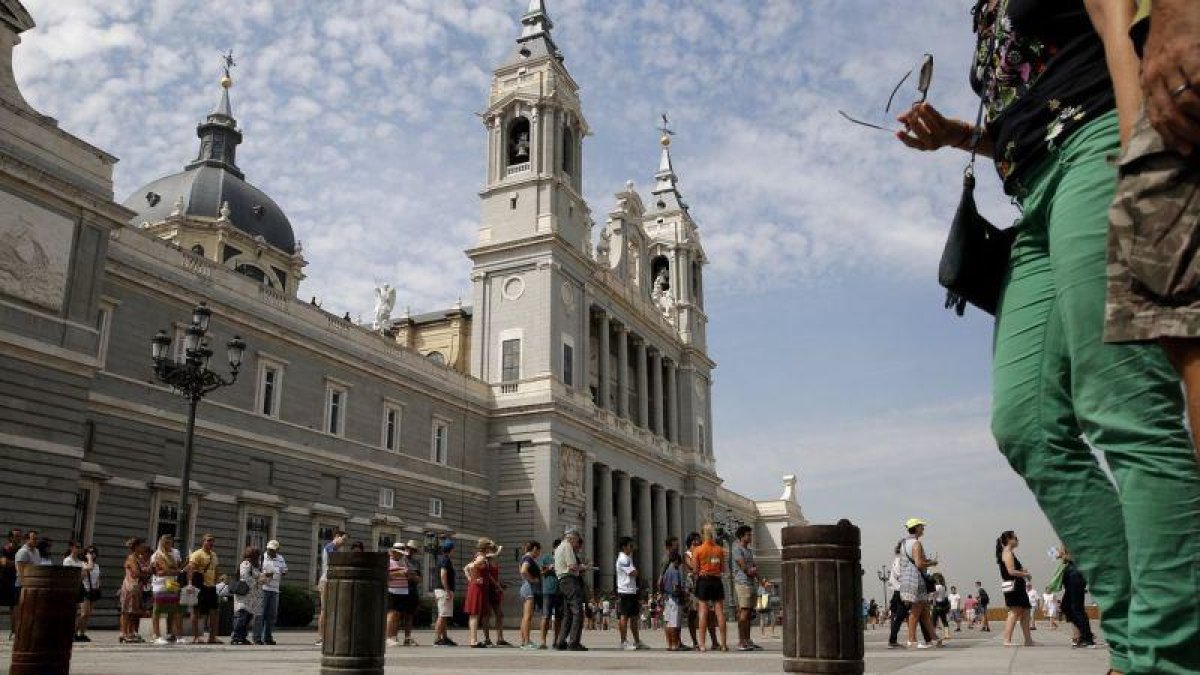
(543, 646)
(319, 643)
(895, 645)
(922, 646)
(1084, 645)
(161, 641)
(529, 645)
(258, 642)
(755, 646)
(478, 645)
(745, 648)
(449, 643)
(392, 642)
(487, 642)
(503, 643)
(641, 645)
(577, 648)
(409, 642)
(171, 638)
(629, 646)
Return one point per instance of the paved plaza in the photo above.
(974, 653)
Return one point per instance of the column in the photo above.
(623, 372)
(659, 501)
(643, 387)
(645, 540)
(673, 400)
(656, 398)
(675, 515)
(589, 518)
(583, 374)
(624, 511)
(605, 328)
(604, 521)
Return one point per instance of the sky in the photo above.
(836, 360)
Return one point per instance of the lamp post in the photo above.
(192, 379)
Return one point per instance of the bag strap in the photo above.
(977, 130)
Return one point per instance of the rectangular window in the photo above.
(384, 541)
(441, 442)
(335, 409)
(392, 416)
(258, 530)
(80, 529)
(510, 360)
(166, 516)
(568, 365)
(269, 382)
(387, 498)
(435, 507)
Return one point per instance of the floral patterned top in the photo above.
(1047, 78)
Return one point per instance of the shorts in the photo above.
(207, 600)
(671, 613)
(445, 603)
(628, 605)
(746, 597)
(528, 591)
(710, 589)
(1153, 243)
(404, 603)
(552, 605)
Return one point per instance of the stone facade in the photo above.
(575, 391)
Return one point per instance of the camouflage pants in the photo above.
(1154, 243)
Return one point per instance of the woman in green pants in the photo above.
(1060, 96)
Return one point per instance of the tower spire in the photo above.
(535, 22)
(219, 135)
(665, 179)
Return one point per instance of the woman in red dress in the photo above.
(478, 599)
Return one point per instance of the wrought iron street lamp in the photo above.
(884, 573)
(191, 378)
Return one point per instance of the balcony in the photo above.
(516, 169)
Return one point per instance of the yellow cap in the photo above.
(913, 522)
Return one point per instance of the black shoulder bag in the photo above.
(975, 258)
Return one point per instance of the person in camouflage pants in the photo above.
(1154, 238)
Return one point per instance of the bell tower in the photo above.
(535, 129)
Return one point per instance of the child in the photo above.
(673, 595)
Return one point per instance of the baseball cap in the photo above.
(913, 522)
(447, 544)
(273, 545)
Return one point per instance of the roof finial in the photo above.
(666, 131)
(665, 177)
(227, 62)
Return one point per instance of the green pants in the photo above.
(1055, 383)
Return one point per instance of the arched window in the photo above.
(660, 273)
(254, 272)
(568, 150)
(518, 142)
(198, 250)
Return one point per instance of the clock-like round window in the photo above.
(513, 288)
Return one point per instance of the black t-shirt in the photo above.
(1046, 79)
(444, 563)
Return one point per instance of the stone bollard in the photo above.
(822, 596)
(355, 603)
(46, 626)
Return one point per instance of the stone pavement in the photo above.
(971, 653)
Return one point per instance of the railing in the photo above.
(516, 168)
(509, 388)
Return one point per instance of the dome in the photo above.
(204, 188)
(214, 179)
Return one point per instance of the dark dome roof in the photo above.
(204, 189)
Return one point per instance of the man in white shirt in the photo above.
(956, 605)
(273, 568)
(627, 596)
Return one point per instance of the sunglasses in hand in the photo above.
(924, 79)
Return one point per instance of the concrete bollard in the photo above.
(355, 604)
(822, 596)
(46, 627)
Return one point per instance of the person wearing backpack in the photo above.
(983, 601)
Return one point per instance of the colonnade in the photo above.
(629, 506)
(651, 400)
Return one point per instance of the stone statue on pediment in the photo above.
(385, 300)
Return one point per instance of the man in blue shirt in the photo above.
(444, 595)
(334, 545)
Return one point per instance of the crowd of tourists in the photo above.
(920, 599)
(688, 592)
(1090, 110)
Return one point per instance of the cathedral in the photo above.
(573, 390)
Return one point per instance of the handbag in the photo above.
(1008, 586)
(975, 257)
(189, 596)
(241, 588)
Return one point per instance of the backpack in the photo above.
(983, 597)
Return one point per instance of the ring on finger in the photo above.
(1178, 91)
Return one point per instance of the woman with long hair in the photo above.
(709, 563)
(531, 591)
(1013, 580)
(248, 606)
(477, 603)
(165, 585)
(1059, 84)
(914, 588)
(130, 596)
